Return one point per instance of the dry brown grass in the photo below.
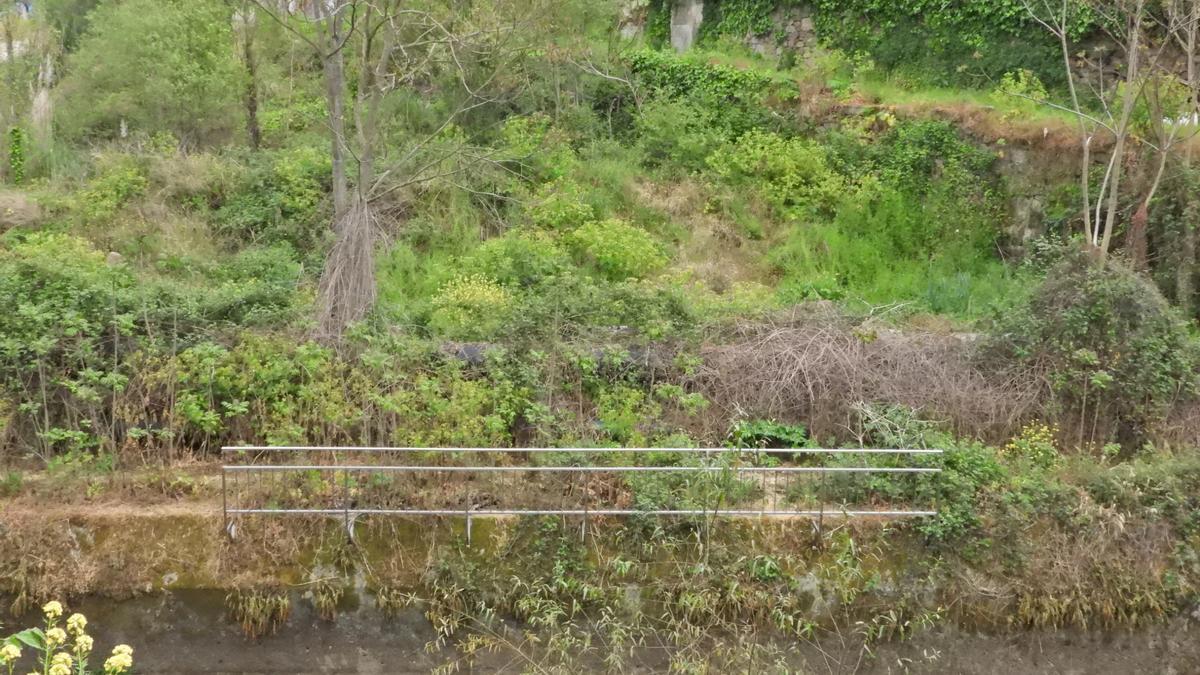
(988, 125)
(740, 259)
(1182, 426)
(17, 210)
(1110, 573)
(814, 366)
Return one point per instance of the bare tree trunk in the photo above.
(1085, 138)
(1136, 241)
(41, 113)
(1185, 272)
(1094, 238)
(335, 86)
(347, 289)
(1129, 99)
(10, 68)
(253, 129)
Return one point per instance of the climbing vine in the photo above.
(676, 76)
(958, 37)
(738, 18)
(658, 23)
(18, 143)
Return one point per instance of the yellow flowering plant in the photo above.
(61, 649)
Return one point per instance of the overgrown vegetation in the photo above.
(556, 237)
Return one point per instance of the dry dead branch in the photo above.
(815, 367)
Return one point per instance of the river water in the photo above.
(184, 632)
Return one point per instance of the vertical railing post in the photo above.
(467, 513)
(346, 500)
(587, 483)
(468, 517)
(224, 500)
(821, 514)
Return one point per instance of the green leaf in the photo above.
(33, 637)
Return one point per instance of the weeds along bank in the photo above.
(1025, 540)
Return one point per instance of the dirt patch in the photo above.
(715, 250)
(988, 125)
(17, 210)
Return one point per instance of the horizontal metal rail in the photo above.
(357, 468)
(587, 512)
(534, 451)
(348, 487)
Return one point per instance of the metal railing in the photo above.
(349, 482)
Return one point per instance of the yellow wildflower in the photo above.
(61, 659)
(118, 664)
(9, 653)
(123, 649)
(60, 670)
(83, 644)
(76, 623)
(55, 637)
(52, 609)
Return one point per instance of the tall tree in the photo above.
(246, 22)
(154, 65)
(1183, 22)
(451, 58)
(1128, 24)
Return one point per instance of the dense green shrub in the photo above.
(538, 149)
(1115, 354)
(767, 434)
(738, 18)
(66, 309)
(471, 307)
(560, 205)
(282, 388)
(277, 391)
(18, 154)
(154, 65)
(572, 305)
(677, 133)
(58, 289)
(731, 98)
(968, 470)
(254, 287)
(116, 184)
(921, 224)
(76, 317)
(519, 258)
(677, 75)
(280, 120)
(792, 174)
(281, 197)
(920, 155)
(617, 249)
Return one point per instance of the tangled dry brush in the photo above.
(817, 367)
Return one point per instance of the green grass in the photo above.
(890, 92)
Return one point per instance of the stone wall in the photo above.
(794, 30)
(686, 17)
